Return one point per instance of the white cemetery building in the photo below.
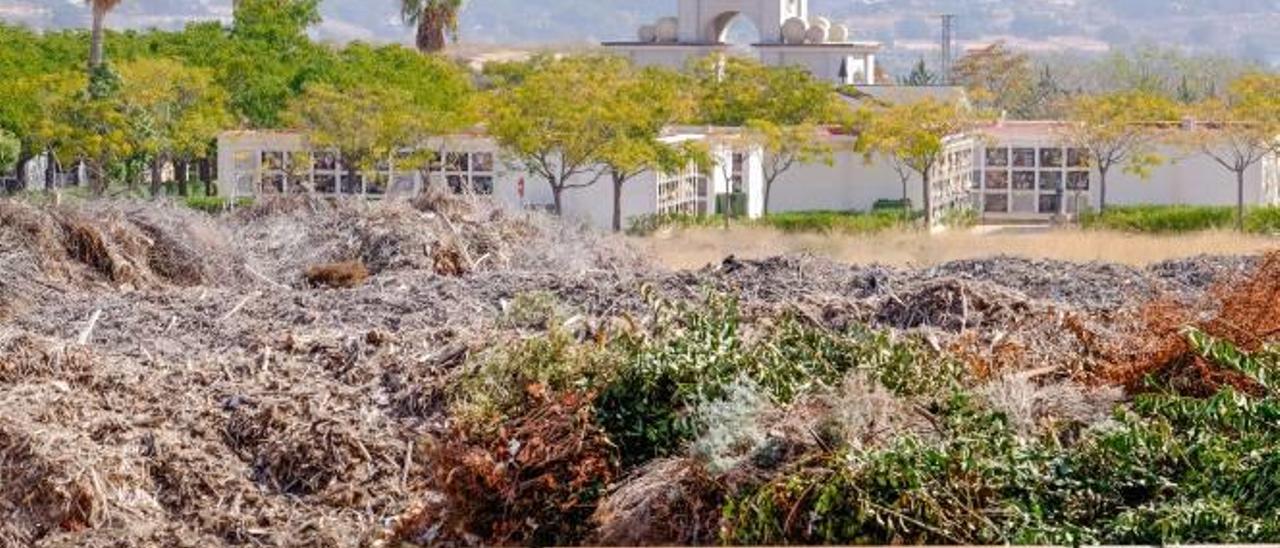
(789, 35)
(1009, 171)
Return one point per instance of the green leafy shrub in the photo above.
(497, 385)
(699, 351)
(848, 222)
(214, 205)
(1263, 220)
(532, 310)
(839, 221)
(963, 217)
(1169, 469)
(1178, 219)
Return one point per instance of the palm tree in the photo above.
(100, 10)
(433, 18)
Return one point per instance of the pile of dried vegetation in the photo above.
(441, 372)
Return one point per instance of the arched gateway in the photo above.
(789, 35)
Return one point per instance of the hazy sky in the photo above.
(1249, 28)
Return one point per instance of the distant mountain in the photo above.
(1246, 28)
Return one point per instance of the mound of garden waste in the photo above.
(305, 372)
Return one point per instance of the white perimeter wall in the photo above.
(1184, 179)
(848, 184)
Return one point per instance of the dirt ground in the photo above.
(694, 248)
(168, 378)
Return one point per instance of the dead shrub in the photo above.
(57, 480)
(1245, 312)
(535, 482)
(447, 260)
(26, 357)
(668, 502)
(337, 275)
(185, 249)
(308, 458)
(1249, 316)
(46, 500)
(955, 305)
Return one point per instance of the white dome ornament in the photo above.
(668, 29)
(838, 34)
(819, 21)
(794, 30)
(816, 35)
(648, 34)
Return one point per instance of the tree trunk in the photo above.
(50, 171)
(928, 200)
(95, 44)
(768, 195)
(206, 177)
(556, 192)
(181, 175)
(431, 29)
(1102, 189)
(97, 179)
(352, 175)
(1240, 200)
(157, 168)
(618, 181)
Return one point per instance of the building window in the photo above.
(273, 171)
(996, 203)
(325, 171)
(467, 172)
(997, 157)
(1024, 157)
(1050, 157)
(1050, 181)
(1077, 157)
(1049, 204)
(352, 183)
(683, 193)
(1024, 180)
(1078, 180)
(997, 180)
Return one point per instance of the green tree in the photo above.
(920, 75)
(176, 110)
(998, 79)
(366, 123)
(1118, 129)
(913, 135)
(645, 103)
(10, 148)
(1241, 128)
(557, 121)
(781, 108)
(433, 19)
(76, 125)
(267, 58)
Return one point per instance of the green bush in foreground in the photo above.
(1171, 469)
(699, 378)
(1178, 219)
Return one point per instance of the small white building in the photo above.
(789, 36)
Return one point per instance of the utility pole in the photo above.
(948, 44)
